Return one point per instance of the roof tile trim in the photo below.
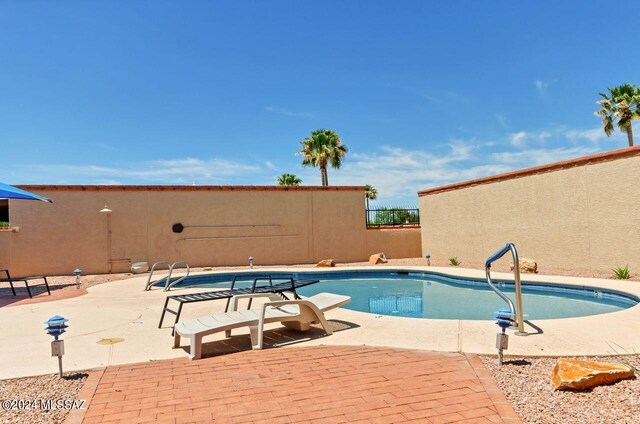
(556, 166)
(33, 187)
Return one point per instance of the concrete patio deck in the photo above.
(123, 310)
(330, 384)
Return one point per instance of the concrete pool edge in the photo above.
(122, 309)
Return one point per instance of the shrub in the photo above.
(453, 261)
(621, 273)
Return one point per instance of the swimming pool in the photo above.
(439, 296)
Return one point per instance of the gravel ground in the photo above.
(526, 383)
(32, 390)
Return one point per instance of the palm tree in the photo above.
(370, 193)
(323, 148)
(622, 104)
(289, 180)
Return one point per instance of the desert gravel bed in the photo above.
(527, 385)
(33, 390)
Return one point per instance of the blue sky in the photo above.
(423, 93)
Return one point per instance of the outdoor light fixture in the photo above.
(55, 327)
(251, 262)
(105, 209)
(77, 273)
(427, 256)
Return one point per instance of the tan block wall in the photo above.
(5, 251)
(309, 225)
(582, 218)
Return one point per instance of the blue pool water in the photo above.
(432, 295)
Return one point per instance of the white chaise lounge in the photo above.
(295, 314)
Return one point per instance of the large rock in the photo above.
(326, 263)
(527, 265)
(573, 374)
(378, 258)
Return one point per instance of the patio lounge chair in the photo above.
(296, 314)
(26, 280)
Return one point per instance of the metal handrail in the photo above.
(153, 268)
(169, 283)
(509, 247)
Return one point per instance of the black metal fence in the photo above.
(392, 217)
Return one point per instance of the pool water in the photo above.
(421, 298)
(431, 295)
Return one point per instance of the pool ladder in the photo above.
(168, 283)
(516, 311)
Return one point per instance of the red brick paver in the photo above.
(303, 385)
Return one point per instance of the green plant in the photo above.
(394, 216)
(620, 107)
(4, 224)
(323, 148)
(289, 180)
(453, 261)
(370, 193)
(624, 359)
(620, 273)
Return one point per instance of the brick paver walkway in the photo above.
(303, 385)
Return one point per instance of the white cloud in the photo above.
(287, 112)
(502, 120)
(534, 157)
(594, 135)
(541, 86)
(164, 171)
(518, 139)
(398, 173)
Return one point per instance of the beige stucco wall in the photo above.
(5, 251)
(585, 217)
(308, 225)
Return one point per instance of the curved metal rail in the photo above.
(517, 309)
(153, 268)
(167, 279)
(170, 283)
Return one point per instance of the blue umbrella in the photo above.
(11, 192)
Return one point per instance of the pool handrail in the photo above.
(170, 283)
(509, 247)
(153, 268)
(167, 279)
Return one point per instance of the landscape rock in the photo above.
(574, 374)
(527, 265)
(378, 258)
(326, 263)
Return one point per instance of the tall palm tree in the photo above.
(620, 107)
(323, 148)
(370, 193)
(289, 180)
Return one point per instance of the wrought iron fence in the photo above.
(392, 217)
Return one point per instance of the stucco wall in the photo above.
(305, 226)
(5, 251)
(578, 215)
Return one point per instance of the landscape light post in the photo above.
(55, 327)
(77, 273)
(108, 211)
